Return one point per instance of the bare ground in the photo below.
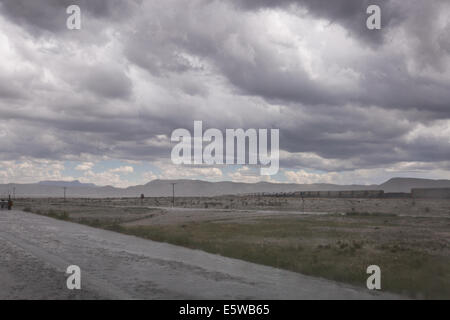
(331, 238)
(36, 250)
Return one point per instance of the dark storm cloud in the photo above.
(9, 90)
(388, 85)
(165, 64)
(63, 138)
(351, 14)
(50, 15)
(106, 81)
(328, 133)
(385, 79)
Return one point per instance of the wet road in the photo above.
(35, 252)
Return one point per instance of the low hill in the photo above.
(201, 188)
(406, 184)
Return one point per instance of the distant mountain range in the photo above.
(406, 184)
(161, 188)
(74, 183)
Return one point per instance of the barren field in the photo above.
(334, 239)
(36, 251)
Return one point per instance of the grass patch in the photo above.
(56, 214)
(369, 214)
(60, 215)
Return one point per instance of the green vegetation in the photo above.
(370, 214)
(56, 214)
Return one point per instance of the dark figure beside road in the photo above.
(6, 203)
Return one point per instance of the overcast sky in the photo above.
(99, 104)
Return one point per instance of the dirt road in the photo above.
(35, 252)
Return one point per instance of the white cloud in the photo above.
(84, 166)
(123, 169)
(31, 171)
(249, 175)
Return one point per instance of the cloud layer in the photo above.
(350, 103)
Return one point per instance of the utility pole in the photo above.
(173, 193)
(303, 201)
(65, 188)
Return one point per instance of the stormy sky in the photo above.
(99, 104)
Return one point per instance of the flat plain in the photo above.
(335, 239)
